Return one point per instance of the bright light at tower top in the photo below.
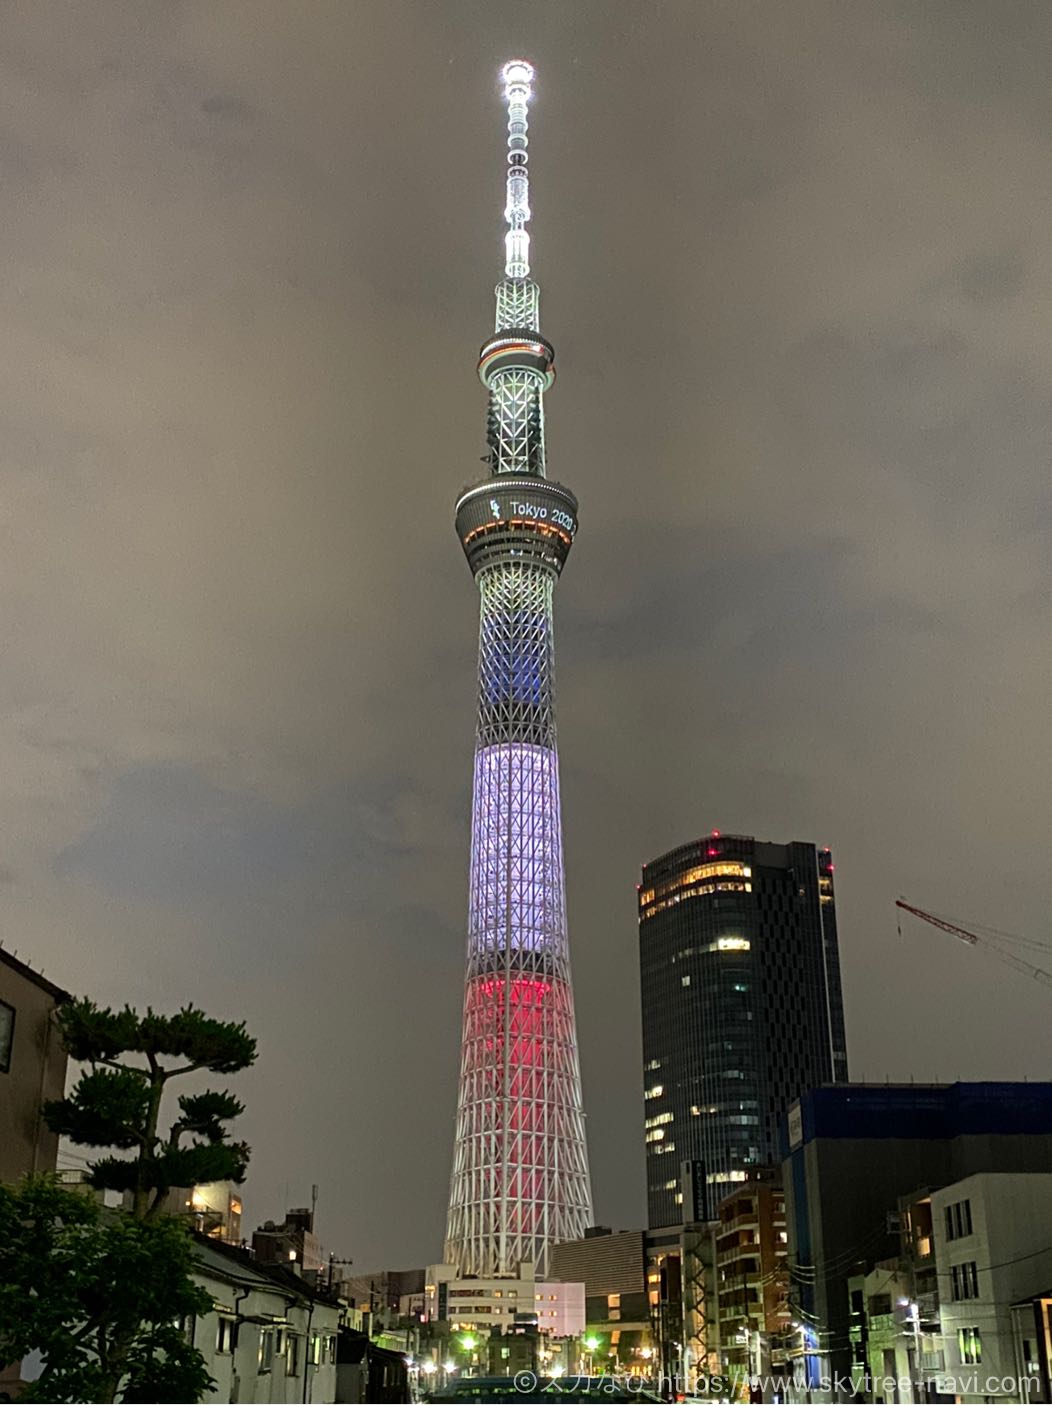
(518, 71)
(517, 77)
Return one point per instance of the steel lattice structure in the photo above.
(520, 1171)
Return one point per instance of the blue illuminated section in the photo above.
(517, 671)
(516, 657)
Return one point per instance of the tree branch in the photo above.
(187, 1068)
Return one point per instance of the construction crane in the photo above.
(989, 943)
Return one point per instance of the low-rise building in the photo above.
(613, 1268)
(387, 1293)
(493, 1303)
(853, 1152)
(213, 1209)
(32, 1072)
(1032, 1331)
(271, 1335)
(752, 1279)
(291, 1242)
(367, 1372)
(883, 1333)
(681, 1293)
(32, 1067)
(993, 1247)
(960, 1313)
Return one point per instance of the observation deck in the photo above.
(516, 520)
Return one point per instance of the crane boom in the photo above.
(973, 939)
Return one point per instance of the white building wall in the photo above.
(1011, 1220)
(266, 1360)
(494, 1302)
(560, 1308)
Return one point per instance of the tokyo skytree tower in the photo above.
(520, 1169)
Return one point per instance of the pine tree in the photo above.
(117, 1101)
(103, 1295)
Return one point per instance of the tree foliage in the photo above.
(117, 1100)
(100, 1294)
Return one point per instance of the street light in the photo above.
(467, 1342)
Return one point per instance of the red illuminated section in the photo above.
(518, 1048)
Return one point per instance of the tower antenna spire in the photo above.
(518, 78)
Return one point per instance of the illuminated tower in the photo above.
(520, 1167)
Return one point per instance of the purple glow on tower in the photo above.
(516, 887)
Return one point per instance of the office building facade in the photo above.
(742, 1010)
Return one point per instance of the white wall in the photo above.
(1011, 1221)
(295, 1337)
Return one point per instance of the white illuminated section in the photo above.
(517, 77)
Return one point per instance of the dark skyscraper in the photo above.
(742, 1010)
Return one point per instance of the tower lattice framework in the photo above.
(520, 1170)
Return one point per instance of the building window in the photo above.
(959, 1219)
(224, 1336)
(969, 1346)
(964, 1279)
(330, 1354)
(315, 1349)
(7, 1034)
(292, 1358)
(266, 1350)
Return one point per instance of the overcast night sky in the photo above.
(795, 261)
